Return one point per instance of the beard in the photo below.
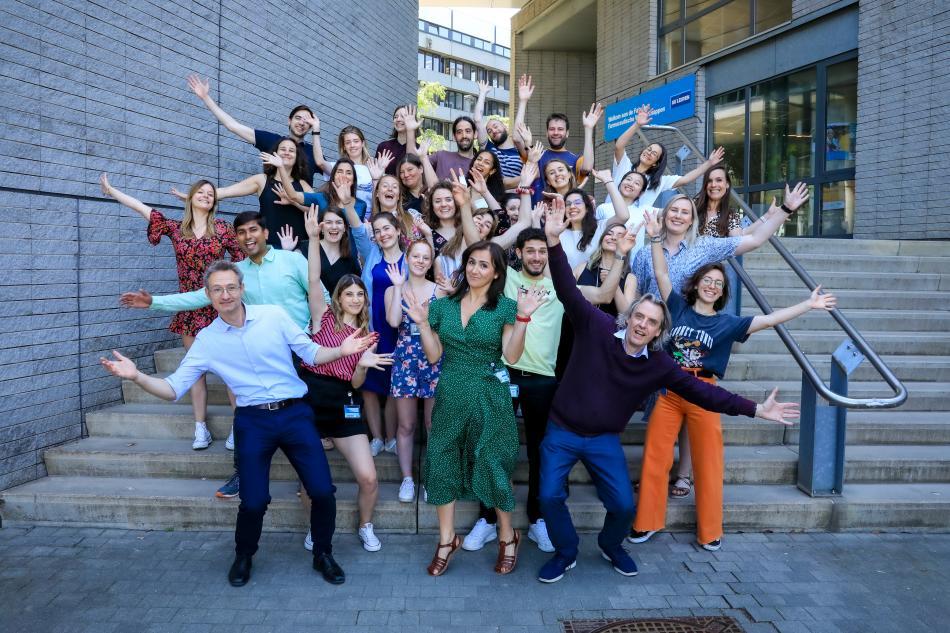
(532, 269)
(554, 145)
(465, 144)
(501, 139)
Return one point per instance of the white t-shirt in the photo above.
(649, 196)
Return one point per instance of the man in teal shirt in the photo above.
(271, 276)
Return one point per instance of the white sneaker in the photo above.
(425, 495)
(538, 532)
(390, 446)
(370, 542)
(407, 490)
(308, 542)
(482, 532)
(202, 437)
(229, 444)
(375, 446)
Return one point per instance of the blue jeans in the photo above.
(604, 459)
(258, 434)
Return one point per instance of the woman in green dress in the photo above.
(473, 444)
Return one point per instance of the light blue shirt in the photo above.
(622, 334)
(254, 361)
(683, 263)
(280, 279)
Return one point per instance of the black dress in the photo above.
(277, 215)
(330, 274)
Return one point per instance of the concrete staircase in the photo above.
(137, 468)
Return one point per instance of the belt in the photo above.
(526, 374)
(274, 406)
(699, 372)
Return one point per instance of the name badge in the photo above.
(514, 389)
(352, 411)
(413, 329)
(502, 375)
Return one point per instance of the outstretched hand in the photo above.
(525, 88)
(121, 367)
(478, 181)
(411, 121)
(356, 344)
(651, 222)
(288, 241)
(181, 196)
(530, 299)
(603, 176)
(282, 197)
(627, 241)
(104, 184)
(371, 360)
(344, 193)
(312, 223)
(394, 272)
(529, 173)
(590, 118)
(200, 86)
(716, 156)
(796, 197)
(272, 159)
(534, 154)
(819, 301)
(781, 412)
(643, 115)
(555, 220)
(140, 299)
(417, 310)
(525, 133)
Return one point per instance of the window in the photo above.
(797, 127)
(430, 62)
(690, 29)
(439, 127)
(496, 108)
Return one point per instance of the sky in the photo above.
(493, 25)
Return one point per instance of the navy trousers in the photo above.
(258, 434)
(604, 459)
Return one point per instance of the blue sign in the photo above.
(669, 103)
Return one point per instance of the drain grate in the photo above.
(717, 624)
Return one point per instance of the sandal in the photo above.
(505, 563)
(327, 443)
(681, 487)
(440, 563)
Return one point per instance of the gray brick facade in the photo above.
(92, 87)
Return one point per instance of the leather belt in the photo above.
(275, 406)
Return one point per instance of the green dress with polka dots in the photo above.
(473, 445)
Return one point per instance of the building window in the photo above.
(496, 108)
(690, 29)
(430, 62)
(797, 127)
(439, 127)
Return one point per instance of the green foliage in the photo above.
(430, 94)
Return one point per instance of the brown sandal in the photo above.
(506, 564)
(440, 563)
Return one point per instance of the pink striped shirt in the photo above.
(328, 336)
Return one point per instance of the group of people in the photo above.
(460, 287)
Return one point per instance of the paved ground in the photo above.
(67, 579)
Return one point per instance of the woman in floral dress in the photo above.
(413, 378)
(198, 239)
(473, 446)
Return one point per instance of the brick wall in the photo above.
(903, 120)
(101, 87)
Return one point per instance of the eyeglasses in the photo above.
(709, 281)
(220, 290)
(651, 152)
(574, 203)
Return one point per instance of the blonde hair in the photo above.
(598, 254)
(352, 129)
(693, 230)
(188, 218)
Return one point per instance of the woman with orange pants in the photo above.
(701, 341)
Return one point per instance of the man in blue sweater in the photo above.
(609, 374)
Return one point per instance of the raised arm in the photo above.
(393, 296)
(575, 305)
(661, 269)
(714, 159)
(123, 367)
(525, 90)
(621, 210)
(124, 199)
(512, 337)
(318, 157)
(252, 185)
(418, 311)
(776, 216)
(590, 122)
(283, 176)
(480, 128)
(201, 88)
(817, 301)
(318, 304)
(620, 145)
(607, 291)
(428, 172)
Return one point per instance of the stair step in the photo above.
(826, 342)
(817, 263)
(922, 396)
(890, 427)
(864, 248)
(180, 504)
(774, 278)
(860, 299)
(763, 367)
(864, 320)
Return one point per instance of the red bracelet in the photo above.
(522, 319)
(524, 191)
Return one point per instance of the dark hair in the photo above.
(389, 217)
(300, 169)
(496, 181)
(643, 178)
(456, 122)
(248, 217)
(508, 197)
(405, 192)
(394, 133)
(497, 287)
(345, 239)
(330, 190)
(691, 287)
(451, 247)
(702, 203)
(589, 223)
(298, 109)
(530, 233)
(558, 116)
(544, 176)
(655, 173)
(347, 280)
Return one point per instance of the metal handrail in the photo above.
(808, 369)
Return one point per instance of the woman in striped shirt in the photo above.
(333, 388)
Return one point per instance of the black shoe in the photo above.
(332, 572)
(240, 571)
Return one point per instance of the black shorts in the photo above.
(326, 397)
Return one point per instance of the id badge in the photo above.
(502, 375)
(351, 411)
(413, 329)
(515, 390)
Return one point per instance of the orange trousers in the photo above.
(705, 437)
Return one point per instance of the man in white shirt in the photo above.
(249, 347)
